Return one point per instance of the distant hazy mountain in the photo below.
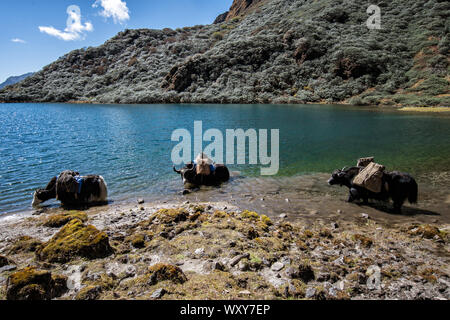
(14, 80)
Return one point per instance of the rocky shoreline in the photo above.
(217, 250)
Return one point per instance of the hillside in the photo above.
(273, 51)
(14, 80)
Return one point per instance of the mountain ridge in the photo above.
(15, 79)
(282, 51)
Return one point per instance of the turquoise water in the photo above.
(130, 145)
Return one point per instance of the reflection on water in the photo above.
(130, 145)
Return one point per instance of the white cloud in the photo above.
(75, 30)
(17, 40)
(116, 9)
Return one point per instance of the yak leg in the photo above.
(354, 195)
(350, 198)
(398, 205)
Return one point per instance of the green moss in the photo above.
(254, 259)
(220, 214)
(270, 244)
(60, 220)
(218, 35)
(137, 240)
(162, 272)
(286, 227)
(266, 220)
(302, 245)
(252, 233)
(89, 293)
(33, 284)
(246, 214)
(75, 240)
(308, 234)
(325, 233)
(168, 216)
(23, 245)
(198, 208)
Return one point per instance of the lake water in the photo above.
(130, 145)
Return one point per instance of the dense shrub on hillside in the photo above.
(287, 51)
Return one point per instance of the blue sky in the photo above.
(36, 32)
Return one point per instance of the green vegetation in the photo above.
(24, 244)
(296, 52)
(75, 240)
(33, 284)
(59, 220)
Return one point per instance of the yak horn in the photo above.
(177, 171)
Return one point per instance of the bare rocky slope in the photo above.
(273, 51)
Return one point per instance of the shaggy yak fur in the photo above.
(397, 186)
(66, 188)
(193, 180)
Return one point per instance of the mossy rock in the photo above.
(4, 261)
(198, 208)
(24, 244)
(266, 220)
(425, 231)
(89, 293)
(33, 284)
(220, 214)
(162, 272)
(302, 245)
(167, 216)
(75, 240)
(246, 214)
(59, 220)
(270, 244)
(304, 272)
(137, 240)
(325, 233)
(365, 241)
(307, 234)
(252, 233)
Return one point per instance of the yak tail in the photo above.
(413, 191)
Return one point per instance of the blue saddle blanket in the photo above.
(79, 181)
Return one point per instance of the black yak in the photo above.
(73, 190)
(202, 172)
(191, 179)
(397, 186)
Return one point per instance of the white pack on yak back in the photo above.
(204, 164)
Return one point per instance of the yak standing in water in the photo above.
(397, 186)
(202, 172)
(73, 190)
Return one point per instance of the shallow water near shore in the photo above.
(130, 145)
